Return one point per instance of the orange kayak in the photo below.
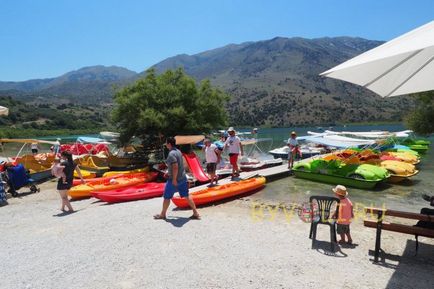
(85, 190)
(102, 180)
(217, 193)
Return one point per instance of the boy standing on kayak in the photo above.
(177, 181)
(233, 144)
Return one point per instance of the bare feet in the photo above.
(195, 217)
(159, 217)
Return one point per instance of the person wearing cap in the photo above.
(212, 156)
(34, 147)
(176, 182)
(234, 146)
(294, 149)
(255, 132)
(345, 214)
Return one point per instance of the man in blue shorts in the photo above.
(177, 181)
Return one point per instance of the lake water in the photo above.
(405, 196)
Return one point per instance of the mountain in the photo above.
(274, 82)
(88, 84)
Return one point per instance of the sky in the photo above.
(47, 38)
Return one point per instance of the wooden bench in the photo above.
(380, 225)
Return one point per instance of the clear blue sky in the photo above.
(43, 38)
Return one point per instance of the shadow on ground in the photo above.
(408, 265)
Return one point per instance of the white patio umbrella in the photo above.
(401, 66)
(4, 110)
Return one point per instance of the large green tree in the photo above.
(166, 105)
(421, 120)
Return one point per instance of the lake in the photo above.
(404, 196)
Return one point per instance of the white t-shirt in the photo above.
(292, 141)
(233, 143)
(210, 155)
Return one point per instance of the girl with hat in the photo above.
(345, 214)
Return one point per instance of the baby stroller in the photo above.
(16, 177)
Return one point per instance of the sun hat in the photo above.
(231, 129)
(293, 133)
(340, 190)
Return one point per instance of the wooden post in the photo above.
(378, 236)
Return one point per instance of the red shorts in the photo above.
(233, 159)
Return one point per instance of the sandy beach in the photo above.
(233, 246)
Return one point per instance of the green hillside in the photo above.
(26, 120)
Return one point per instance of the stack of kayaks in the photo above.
(221, 192)
(132, 193)
(85, 190)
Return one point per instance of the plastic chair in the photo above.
(322, 215)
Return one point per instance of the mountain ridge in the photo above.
(273, 82)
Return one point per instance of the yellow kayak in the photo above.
(113, 173)
(85, 174)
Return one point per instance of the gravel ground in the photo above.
(233, 246)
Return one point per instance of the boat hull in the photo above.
(394, 178)
(41, 175)
(284, 156)
(336, 180)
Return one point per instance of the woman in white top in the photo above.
(233, 144)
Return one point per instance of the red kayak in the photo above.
(133, 193)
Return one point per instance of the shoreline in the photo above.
(121, 246)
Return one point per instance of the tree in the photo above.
(166, 105)
(421, 120)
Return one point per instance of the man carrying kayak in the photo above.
(176, 182)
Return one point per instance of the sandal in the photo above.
(159, 217)
(194, 217)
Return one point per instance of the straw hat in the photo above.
(340, 190)
(293, 133)
(231, 129)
